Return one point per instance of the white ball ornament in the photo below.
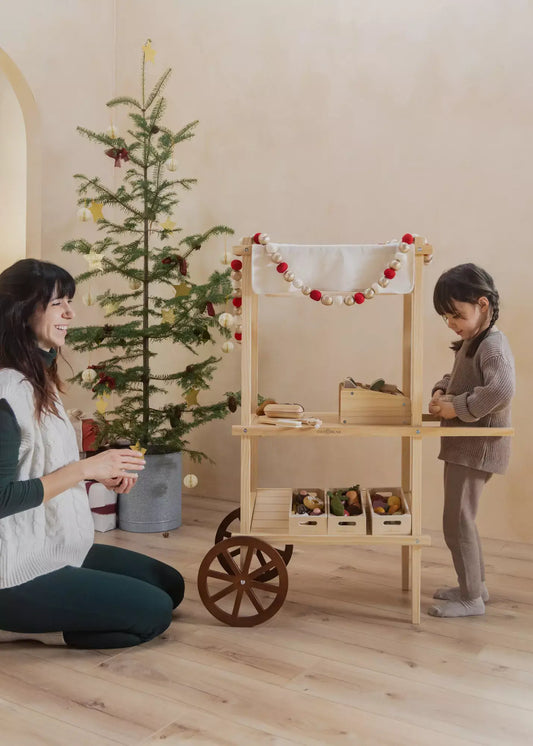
(134, 284)
(226, 320)
(400, 257)
(404, 247)
(270, 248)
(84, 215)
(326, 300)
(264, 239)
(339, 300)
(171, 165)
(376, 288)
(113, 131)
(297, 283)
(348, 300)
(228, 347)
(88, 375)
(383, 281)
(395, 264)
(276, 258)
(236, 276)
(190, 480)
(288, 276)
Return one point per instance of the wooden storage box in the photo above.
(350, 525)
(308, 525)
(360, 406)
(388, 524)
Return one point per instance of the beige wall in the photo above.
(332, 121)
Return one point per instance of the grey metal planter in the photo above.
(154, 504)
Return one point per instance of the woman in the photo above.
(53, 578)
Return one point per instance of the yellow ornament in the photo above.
(182, 290)
(168, 225)
(149, 52)
(137, 447)
(96, 211)
(84, 215)
(89, 299)
(191, 396)
(167, 317)
(190, 480)
(111, 308)
(102, 403)
(94, 260)
(227, 346)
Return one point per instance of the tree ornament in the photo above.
(167, 316)
(88, 375)
(118, 154)
(226, 320)
(171, 164)
(149, 51)
(94, 261)
(183, 266)
(137, 447)
(226, 259)
(84, 215)
(236, 265)
(191, 397)
(113, 131)
(282, 267)
(348, 300)
(237, 302)
(232, 404)
(238, 336)
(315, 295)
(168, 225)
(102, 403)
(89, 299)
(134, 284)
(209, 307)
(190, 481)
(228, 347)
(181, 290)
(389, 273)
(236, 276)
(96, 211)
(326, 300)
(111, 308)
(359, 298)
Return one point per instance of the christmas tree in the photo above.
(144, 252)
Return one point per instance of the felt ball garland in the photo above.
(357, 298)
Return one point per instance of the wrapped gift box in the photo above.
(103, 504)
(86, 430)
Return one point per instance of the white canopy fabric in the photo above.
(332, 269)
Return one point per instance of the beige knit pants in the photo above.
(462, 490)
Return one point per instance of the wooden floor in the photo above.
(339, 664)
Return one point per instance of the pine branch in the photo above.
(124, 100)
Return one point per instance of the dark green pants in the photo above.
(116, 599)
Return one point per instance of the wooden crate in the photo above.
(347, 524)
(388, 524)
(358, 406)
(308, 525)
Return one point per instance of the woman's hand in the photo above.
(120, 485)
(113, 464)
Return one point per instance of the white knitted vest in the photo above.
(59, 532)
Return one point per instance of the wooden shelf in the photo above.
(332, 427)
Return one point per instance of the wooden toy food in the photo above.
(305, 502)
(386, 504)
(345, 501)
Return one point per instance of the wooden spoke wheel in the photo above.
(226, 531)
(239, 596)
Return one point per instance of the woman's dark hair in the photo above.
(466, 283)
(25, 287)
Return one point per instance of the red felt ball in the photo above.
(256, 238)
(237, 302)
(282, 267)
(238, 336)
(315, 294)
(389, 273)
(408, 238)
(236, 265)
(359, 298)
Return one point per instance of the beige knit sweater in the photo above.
(482, 387)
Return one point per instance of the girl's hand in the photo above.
(120, 485)
(112, 464)
(434, 405)
(447, 410)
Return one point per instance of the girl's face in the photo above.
(50, 324)
(470, 318)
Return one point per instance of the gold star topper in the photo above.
(137, 447)
(149, 52)
(168, 225)
(96, 211)
(191, 396)
(181, 290)
(167, 317)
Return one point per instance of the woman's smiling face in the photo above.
(50, 324)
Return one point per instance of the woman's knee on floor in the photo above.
(155, 616)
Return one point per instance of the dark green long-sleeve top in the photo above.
(15, 495)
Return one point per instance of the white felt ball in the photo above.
(404, 247)
(227, 346)
(297, 283)
(288, 276)
(326, 300)
(348, 299)
(306, 289)
(264, 238)
(88, 375)
(339, 300)
(171, 165)
(84, 215)
(375, 287)
(369, 293)
(399, 256)
(190, 480)
(270, 248)
(226, 320)
(113, 131)
(277, 258)
(225, 259)
(383, 281)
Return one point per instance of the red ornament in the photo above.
(117, 154)
(236, 265)
(408, 238)
(183, 266)
(282, 267)
(315, 294)
(166, 260)
(389, 273)
(238, 336)
(237, 302)
(256, 238)
(209, 307)
(359, 298)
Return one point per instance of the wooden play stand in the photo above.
(243, 579)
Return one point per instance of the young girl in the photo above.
(53, 578)
(477, 393)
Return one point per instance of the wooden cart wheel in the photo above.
(224, 531)
(239, 597)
